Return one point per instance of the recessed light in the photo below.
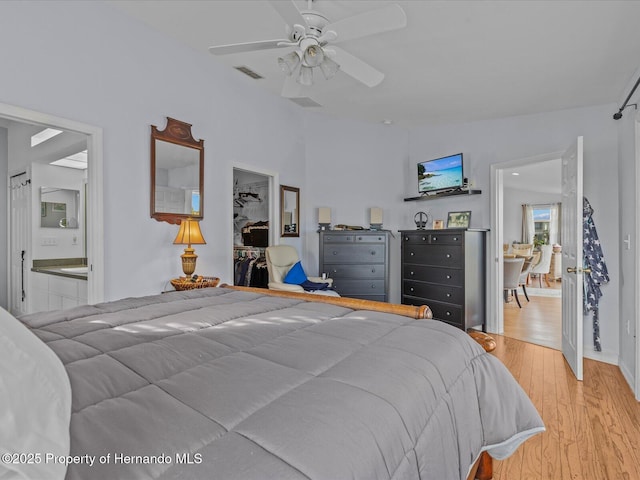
(386, 121)
(44, 135)
(515, 174)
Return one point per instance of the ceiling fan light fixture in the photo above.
(289, 62)
(306, 76)
(329, 68)
(313, 55)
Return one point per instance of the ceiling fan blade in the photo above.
(356, 68)
(291, 88)
(289, 12)
(376, 21)
(247, 47)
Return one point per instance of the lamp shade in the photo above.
(189, 233)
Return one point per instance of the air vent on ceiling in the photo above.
(305, 102)
(248, 72)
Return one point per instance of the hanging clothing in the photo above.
(593, 258)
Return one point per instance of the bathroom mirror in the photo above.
(177, 169)
(59, 207)
(289, 211)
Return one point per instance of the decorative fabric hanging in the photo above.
(592, 258)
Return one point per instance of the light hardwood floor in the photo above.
(538, 321)
(593, 427)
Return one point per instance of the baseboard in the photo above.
(606, 357)
(628, 376)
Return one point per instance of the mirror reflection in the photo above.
(177, 179)
(290, 211)
(177, 164)
(59, 207)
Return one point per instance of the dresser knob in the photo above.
(373, 286)
(448, 277)
(448, 295)
(411, 273)
(455, 239)
(411, 289)
(448, 255)
(373, 252)
(406, 239)
(411, 254)
(448, 314)
(335, 253)
(424, 239)
(435, 239)
(373, 270)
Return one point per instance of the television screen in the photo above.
(440, 174)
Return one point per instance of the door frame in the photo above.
(95, 216)
(274, 206)
(495, 319)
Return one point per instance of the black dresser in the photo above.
(358, 262)
(446, 270)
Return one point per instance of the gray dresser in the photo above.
(445, 269)
(358, 262)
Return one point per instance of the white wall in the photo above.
(628, 264)
(512, 212)
(104, 69)
(494, 141)
(4, 169)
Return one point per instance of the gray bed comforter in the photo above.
(222, 384)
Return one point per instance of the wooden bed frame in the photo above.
(483, 468)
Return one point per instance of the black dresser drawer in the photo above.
(441, 275)
(349, 288)
(339, 271)
(353, 253)
(443, 293)
(435, 255)
(444, 238)
(441, 311)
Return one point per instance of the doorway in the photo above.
(532, 196)
(254, 225)
(92, 138)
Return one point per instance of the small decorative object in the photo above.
(459, 219)
(188, 234)
(195, 281)
(375, 216)
(324, 218)
(438, 224)
(421, 219)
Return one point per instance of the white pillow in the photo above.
(35, 405)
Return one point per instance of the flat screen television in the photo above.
(440, 174)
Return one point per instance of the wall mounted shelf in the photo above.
(444, 194)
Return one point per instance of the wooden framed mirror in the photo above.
(289, 211)
(177, 173)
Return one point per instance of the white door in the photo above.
(572, 235)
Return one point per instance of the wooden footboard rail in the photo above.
(483, 468)
(353, 303)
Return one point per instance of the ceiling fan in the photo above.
(310, 32)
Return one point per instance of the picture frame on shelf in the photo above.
(438, 224)
(459, 219)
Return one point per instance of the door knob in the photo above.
(578, 270)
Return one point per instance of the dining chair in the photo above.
(511, 277)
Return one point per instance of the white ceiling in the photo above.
(455, 61)
(543, 177)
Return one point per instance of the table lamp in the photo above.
(188, 234)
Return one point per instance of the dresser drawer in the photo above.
(441, 311)
(444, 238)
(362, 287)
(338, 271)
(442, 293)
(329, 238)
(443, 276)
(436, 255)
(370, 238)
(353, 253)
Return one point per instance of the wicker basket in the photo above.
(184, 283)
